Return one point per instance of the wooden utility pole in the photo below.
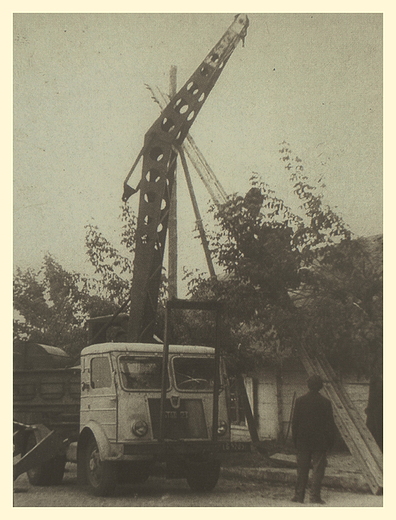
(197, 214)
(172, 244)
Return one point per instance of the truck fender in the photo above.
(94, 429)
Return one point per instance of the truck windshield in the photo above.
(194, 373)
(141, 373)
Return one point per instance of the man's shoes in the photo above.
(297, 499)
(317, 501)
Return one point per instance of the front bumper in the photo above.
(171, 448)
(186, 447)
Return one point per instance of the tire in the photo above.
(203, 476)
(101, 475)
(50, 473)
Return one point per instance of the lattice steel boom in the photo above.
(159, 154)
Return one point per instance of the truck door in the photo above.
(99, 398)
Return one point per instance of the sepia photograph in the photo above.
(197, 259)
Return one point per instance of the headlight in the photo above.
(139, 428)
(222, 429)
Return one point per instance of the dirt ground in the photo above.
(159, 492)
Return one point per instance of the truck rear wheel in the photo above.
(101, 475)
(203, 476)
(50, 473)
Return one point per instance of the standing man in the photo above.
(313, 431)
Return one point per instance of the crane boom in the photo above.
(159, 154)
(205, 172)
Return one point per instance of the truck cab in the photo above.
(120, 414)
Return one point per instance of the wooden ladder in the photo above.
(350, 423)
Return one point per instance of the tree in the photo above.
(113, 265)
(342, 305)
(294, 276)
(51, 306)
(262, 245)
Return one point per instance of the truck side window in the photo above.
(100, 373)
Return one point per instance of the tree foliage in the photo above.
(53, 304)
(342, 302)
(292, 276)
(112, 265)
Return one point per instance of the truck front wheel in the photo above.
(101, 475)
(203, 476)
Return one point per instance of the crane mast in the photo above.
(159, 153)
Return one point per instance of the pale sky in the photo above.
(81, 110)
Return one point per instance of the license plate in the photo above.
(175, 415)
(236, 446)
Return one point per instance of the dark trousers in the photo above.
(319, 462)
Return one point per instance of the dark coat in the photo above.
(313, 426)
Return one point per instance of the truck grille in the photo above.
(185, 422)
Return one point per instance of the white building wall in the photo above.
(266, 404)
(294, 384)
